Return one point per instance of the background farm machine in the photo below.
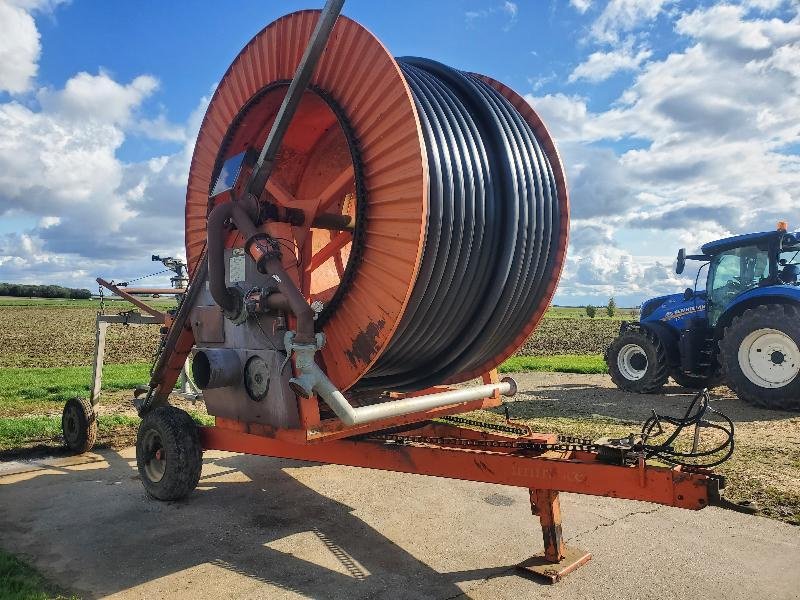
(743, 329)
(363, 233)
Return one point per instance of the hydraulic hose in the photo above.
(493, 219)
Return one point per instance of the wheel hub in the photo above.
(632, 362)
(71, 424)
(156, 460)
(769, 358)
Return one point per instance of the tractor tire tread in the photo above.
(785, 317)
(654, 379)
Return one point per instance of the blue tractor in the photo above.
(743, 330)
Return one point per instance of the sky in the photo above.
(678, 122)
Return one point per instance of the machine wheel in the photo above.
(760, 356)
(637, 362)
(79, 425)
(168, 453)
(694, 382)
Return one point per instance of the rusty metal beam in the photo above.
(132, 299)
(582, 473)
(159, 291)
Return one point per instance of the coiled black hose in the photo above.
(493, 226)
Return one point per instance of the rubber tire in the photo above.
(85, 434)
(783, 317)
(657, 366)
(183, 453)
(695, 382)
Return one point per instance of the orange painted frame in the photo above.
(578, 472)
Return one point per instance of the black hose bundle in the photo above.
(492, 231)
(694, 417)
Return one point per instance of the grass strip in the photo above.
(559, 363)
(28, 389)
(25, 431)
(20, 581)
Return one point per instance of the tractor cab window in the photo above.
(789, 266)
(733, 272)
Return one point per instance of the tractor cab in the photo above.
(743, 329)
(742, 263)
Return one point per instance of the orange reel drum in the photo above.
(354, 161)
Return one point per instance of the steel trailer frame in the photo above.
(455, 452)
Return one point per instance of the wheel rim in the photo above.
(155, 456)
(769, 358)
(632, 362)
(70, 423)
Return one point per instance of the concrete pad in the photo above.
(267, 528)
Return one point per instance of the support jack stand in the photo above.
(558, 559)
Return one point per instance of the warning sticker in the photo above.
(236, 266)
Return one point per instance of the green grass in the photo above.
(20, 581)
(560, 363)
(31, 401)
(116, 304)
(24, 431)
(28, 390)
(16, 432)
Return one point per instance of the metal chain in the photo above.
(565, 443)
(475, 423)
(584, 446)
(124, 283)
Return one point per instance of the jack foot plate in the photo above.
(551, 572)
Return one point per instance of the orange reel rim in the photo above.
(380, 110)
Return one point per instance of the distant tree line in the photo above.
(20, 290)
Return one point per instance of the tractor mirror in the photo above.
(681, 265)
(688, 294)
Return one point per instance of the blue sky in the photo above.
(678, 121)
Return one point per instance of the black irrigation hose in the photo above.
(666, 452)
(492, 226)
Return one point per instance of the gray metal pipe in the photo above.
(216, 368)
(397, 408)
(311, 379)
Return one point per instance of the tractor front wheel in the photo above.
(760, 355)
(168, 453)
(637, 362)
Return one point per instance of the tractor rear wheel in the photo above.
(760, 355)
(637, 362)
(694, 382)
(168, 453)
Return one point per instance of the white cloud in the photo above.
(160, 128)
(702, 145)
(507, 8)
(621, 16)
(581, 5)
(94, 214)
(19, 48)
(98, 98)
(602, 65)
(764, 5)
